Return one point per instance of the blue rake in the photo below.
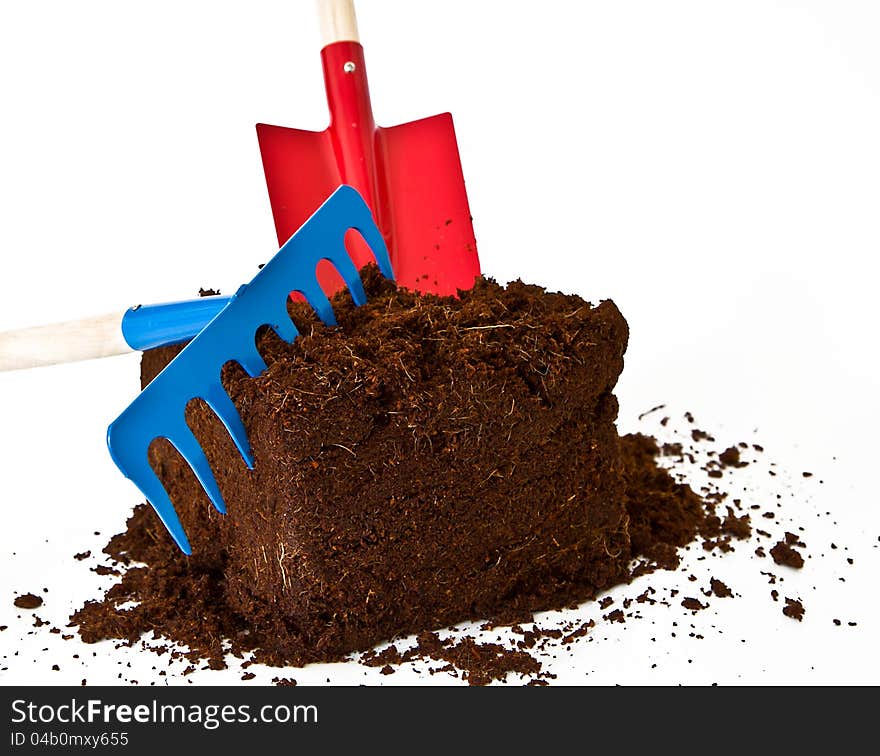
(159, 410)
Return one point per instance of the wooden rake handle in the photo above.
(338, 21)
(135, 329)
(62, 342)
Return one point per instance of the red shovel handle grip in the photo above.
(338, 21)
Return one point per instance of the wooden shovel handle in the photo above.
(338, 21)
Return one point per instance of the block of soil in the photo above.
(430, 460)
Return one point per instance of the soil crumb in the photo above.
(787, 556)
(28, 601)
(720, 589)
(794, 608)
(693, 604)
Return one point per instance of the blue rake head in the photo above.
(159, 410)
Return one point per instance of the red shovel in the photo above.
(409, 175)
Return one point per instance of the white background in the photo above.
(713, 167)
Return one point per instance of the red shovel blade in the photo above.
(410, 175)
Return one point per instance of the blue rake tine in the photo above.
(159, 410)
(218, 400)
(319, 302)
(349, 273)
(284, 326)
(187, 444)
(251, 360)
(134, 463)
(153, 489)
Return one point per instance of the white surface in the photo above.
(710, 166)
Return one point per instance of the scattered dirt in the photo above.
(479, 663)
(284, 682)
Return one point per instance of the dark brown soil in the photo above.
(663, 514)
(479, 663)
(794, 609)
(28, 601)
(730, 457)
(430, 461)
(784, 554)
(720, 589)
(693, 604)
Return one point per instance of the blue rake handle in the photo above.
(149, 326)
(159, 410)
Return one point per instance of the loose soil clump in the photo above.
(28, 601)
